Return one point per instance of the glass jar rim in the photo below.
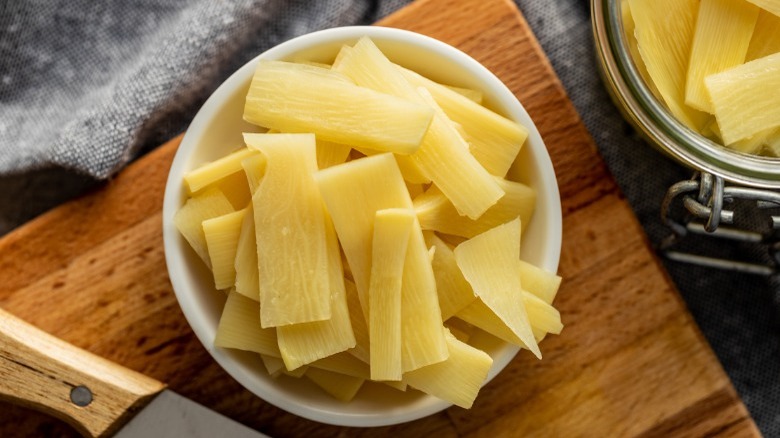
(653, 118)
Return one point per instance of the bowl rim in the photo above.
(195, 316)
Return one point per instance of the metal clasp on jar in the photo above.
(703, 198)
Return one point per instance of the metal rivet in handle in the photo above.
(81, 396)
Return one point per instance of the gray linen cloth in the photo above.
(86, 86)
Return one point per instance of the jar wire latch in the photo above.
(703, 197)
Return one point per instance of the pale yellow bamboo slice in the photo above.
(289, 98)
(772, 144)
(247, 278)
(239, 328)
(437, 213)
(222, 233)
(475, 96)
(254, 168)
(330, 153)
(207, 204)
(296, 373)
(539, 282)
(766, 36)
(489, 263)
(415, 189)
(459, 328)
(343, 363)
(235, 188)
(665, 46)
(216, 170)
(343, 52)
(454, 291)
(633, 47)
(457, 379)
(292, 251)
(720, 41)
(542, 316)
(750, 145)
(301, 344)
(772, 6)
(341, 387)
(494, 140)
(389, 244)
(443, 155)
(745, 98)
(400, 386)
(480, 316)
(359, 323)
(410, 171)
(422, 331)
(353, 192)
(273, 365)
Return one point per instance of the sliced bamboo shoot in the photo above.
(772, 6)
(341, 387)
(539, 282)
(239, 328)
(390, 242)
(343, 363)
(247, 278)
(353, 193)
(290, 228)
(359, 323)
(222, 235)
(254, 168)
(665, 45)
(457, 379)
(480, 316)
(750, 145)
(330, 154)
(454, 291)
(443, 155)
(422, 332)
(745, 98)
(236, 190)
(301, 344)
(633, 47)
(766, 36)
(494, 140)
(189, 219)
(475, 96)
(489, 263)
(435, 212)
(273, 365)
(720, 41)
(216, 170)
(289, 98)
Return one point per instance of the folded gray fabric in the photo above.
(86, 86)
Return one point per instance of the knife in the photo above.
(98, 397)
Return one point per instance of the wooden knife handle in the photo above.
(40, 371)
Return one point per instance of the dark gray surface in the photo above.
(86, 86)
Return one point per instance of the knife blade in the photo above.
(99, 398)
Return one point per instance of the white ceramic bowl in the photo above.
(216, 130)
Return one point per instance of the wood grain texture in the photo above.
(41, 371)
(630, 361)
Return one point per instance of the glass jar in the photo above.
(651, 117)
(722, 175)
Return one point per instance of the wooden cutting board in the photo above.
(630, 362)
